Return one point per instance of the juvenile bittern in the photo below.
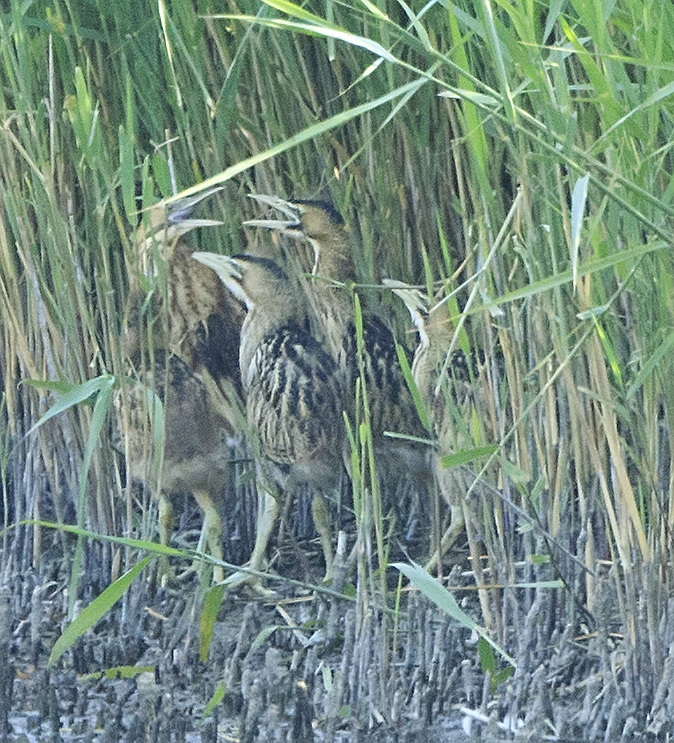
(449, 400)
(292, 390)
(391, 406)
(193, 455)
(182, 340)
(202, 321)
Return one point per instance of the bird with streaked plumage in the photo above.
(192, 315)
(390, 402)
(293, 396)
(181, 344)
(435, 338)
(191, 456)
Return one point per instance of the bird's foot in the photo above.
(251, 580)
(197, 567)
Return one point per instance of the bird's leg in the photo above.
(212, 529)
(267, 513)
(319, 510)
(453, 487)
(165, 531)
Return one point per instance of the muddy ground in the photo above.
(285, 687)
(305, 665)
(299, 666)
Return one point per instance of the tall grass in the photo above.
(441, 118)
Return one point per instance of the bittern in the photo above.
(292, 390)
(449, 401)
(391, 405)
(202, 320)
(182, 340)
(193, 455)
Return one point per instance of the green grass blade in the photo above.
(75, 394)
(97, 609)
(310, 132)
(442, 598)
(466, 456)
(217, 697)
(648, 367)
(416, 396)
(209, 614)
(339, 34)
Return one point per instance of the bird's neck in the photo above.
(159, 246)
(435, 336)
(334, 258)
(440, 329)
(332, 304)
(333, 308)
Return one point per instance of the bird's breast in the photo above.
(294, 401)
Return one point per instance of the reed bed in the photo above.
(513, 159)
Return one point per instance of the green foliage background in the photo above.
(519, 152)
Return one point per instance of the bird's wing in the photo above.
(391, 405)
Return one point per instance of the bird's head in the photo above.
(433, 323)
(415, 301)
(316, 221)
(166, 223)
(253, 280)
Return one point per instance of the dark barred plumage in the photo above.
(292, 389)
(294, 401)
(205, 319)
(391, 406)
(182, 341)
(195, 317)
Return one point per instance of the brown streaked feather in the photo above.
(391, 406)
(293, 398)
(205, 319)
(195, 454)
(293, 393)
(201, 322)
(183, 342)
(292, 385)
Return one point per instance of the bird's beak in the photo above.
(292, 211)
(191, 224)
(412, 297)
(271, 224)
(228, 269)
(171, 221)
(394, 284)
(179, 211)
